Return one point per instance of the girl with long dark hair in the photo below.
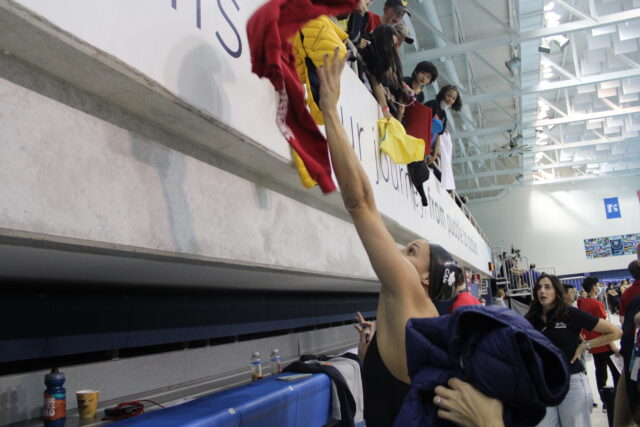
(550, 314)
(383, 67)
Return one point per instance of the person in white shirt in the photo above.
(571, 295)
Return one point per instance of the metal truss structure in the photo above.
(566, 107)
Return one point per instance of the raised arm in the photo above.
(378, 93)
(394, 271)
(436, 151)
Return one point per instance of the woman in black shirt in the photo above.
(550, 314)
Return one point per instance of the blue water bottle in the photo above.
(55, 399)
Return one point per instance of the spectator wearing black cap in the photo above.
(392, 14)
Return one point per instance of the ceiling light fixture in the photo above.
(561, 41)
(545, 46)
(552, 19)
(513, 64)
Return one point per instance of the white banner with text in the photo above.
(198, 51)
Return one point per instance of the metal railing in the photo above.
(513, 275)
(436, 164)
(463, 207)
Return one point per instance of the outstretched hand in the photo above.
(365, 328)
(329, 74)
(466, 406)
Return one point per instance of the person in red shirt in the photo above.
(463, 298)
(602, 354)
(633, 290)
(581, 298)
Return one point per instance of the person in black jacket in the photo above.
(424, 74)
(383, 66)
(550, 314)
(412, 90)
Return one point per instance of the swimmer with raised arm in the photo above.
(410, 279)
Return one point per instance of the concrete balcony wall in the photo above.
(158, 140)
(82, 171)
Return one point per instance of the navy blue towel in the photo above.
(494, 349)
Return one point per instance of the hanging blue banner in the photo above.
(612, 208)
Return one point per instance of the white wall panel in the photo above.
(550, 222)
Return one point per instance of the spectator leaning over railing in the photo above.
(447, 98)
(424, 74)
(392, 14)
(411, 91)
(383, 67)
(355, 24)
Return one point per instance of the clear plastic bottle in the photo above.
(276, 363)
(256, 367)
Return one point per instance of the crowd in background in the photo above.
(372, 43)
(576, 320)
